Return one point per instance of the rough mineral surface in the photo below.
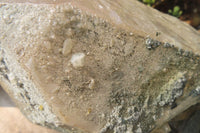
(97, 66)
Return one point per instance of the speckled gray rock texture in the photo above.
(97, 66)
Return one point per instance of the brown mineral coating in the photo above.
(135, 17)
(114, 53)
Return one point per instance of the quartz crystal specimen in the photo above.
(97, 66)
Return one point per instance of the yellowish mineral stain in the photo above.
(89, 111)
(41, 108)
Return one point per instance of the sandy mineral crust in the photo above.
(97, 66)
